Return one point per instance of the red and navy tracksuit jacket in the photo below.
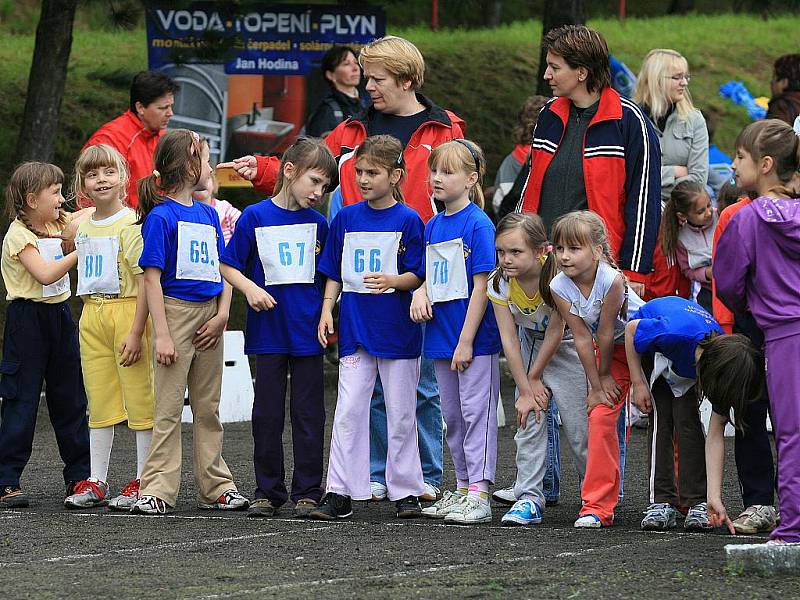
(621, 171)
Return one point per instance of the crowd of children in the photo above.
(156, 286)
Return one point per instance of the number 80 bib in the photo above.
(446, 271)
(198, 258)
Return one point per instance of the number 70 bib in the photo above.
(368, 252)
(198, 258)
(446, 271)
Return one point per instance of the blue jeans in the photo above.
(429, 428)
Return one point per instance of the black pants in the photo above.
(40, 344)
(307, 409)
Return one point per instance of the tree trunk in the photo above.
(494, 13)
(48, 75)
(680, 7)
(555, 14)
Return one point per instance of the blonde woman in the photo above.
(662, 90)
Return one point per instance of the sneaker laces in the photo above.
(131, 489)
(660, 510)
(86, 485)
(698, 511)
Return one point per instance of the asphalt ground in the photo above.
(48, 552)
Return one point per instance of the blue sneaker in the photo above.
(524, 512)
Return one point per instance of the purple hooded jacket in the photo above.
(757, 265)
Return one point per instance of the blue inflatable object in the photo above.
(736, 92)
(622, 78)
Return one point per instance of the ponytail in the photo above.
(680, 200)
(549, 270)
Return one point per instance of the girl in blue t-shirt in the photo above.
(462, 336)
(271, 259)
(189, 305)
(373, 257)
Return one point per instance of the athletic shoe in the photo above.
(431, 493)
(756, 519)
(332, 507)
(379, 491)
(659, 517)
(304, 506)
(127, 498)
(150, 505)
(408, 508)
(697, 518)
(261, 508)
(524, 512)
(470, 511)
(12, 496)
(89, 493)
(505, 496)
(588, 522)
(70, 487)
(442, 508)
(229, 500)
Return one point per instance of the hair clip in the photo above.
(399, 161)
(156, 174)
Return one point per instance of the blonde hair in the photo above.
(398, 56)
(651, 85)
(385, 152)
(32, 178)
(97, 157)
(461, 156)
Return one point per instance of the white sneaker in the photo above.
(444, 506)
(505, 496)
(431, 494)
(588, 522)
(470, 511)
(379, 491)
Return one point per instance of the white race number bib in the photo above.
(50, 250)
(368, 252)
(198, 258)
(97, 265)
(446, 271)
(287, 253)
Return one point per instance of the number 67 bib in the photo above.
(97, 265)
(368, 252)
(287, 253)
(198, 258)
(446, 271)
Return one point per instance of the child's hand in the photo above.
(462, 357)
(421, 307)
(325, 328)
(540, 392)
(609, 387)
(377, 283)
(131, 350)
(597, 397)
(718, 516)
(246, 167)
(527, 403)
(208, 336)
(642, 398)
(709, 273)
(166, 354)
(259, 299)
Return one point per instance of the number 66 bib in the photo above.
(368, 252)
(287, 253)
(97, 265)
(50, 250)
(446, 271)
(198, 258)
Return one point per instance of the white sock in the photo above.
(101, 439)
(143, 439)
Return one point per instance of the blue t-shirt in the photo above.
(475, 229)
(379, 323)
(673, 326)
(160, 237)
(291, 326)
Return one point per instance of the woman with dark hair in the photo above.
(343, 74)
(785, 84)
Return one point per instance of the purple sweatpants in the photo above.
(783, 384)
(469, 407)
(348, 465)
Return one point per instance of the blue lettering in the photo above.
(358, 260)
(284, 254)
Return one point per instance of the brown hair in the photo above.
(305, 154)
(386, 152)
(178, 163)
(580, 46)
(97, 157)
(526, 119)
(776, 139)
(729, 194)
(32, 178)
(465, 156)
(680, 200)
(788, 67)
(730, 373)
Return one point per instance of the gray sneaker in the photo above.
(127, 497)
(89, 493)
(756, 519)
(229, 500)
(448, 503)
(697, 518)
(659, 517)
(150, 505)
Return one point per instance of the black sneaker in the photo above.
(71, 487)
(408, 508)
(332, 507)
(12, 496)
(261, 508)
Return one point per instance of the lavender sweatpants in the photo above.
(783, 385)
(469, 407)
(348, 465)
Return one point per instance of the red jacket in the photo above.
(136, 143)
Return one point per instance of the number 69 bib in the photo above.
(287, 253)
(50, 250)
(97, 265)
(446, 271)
(368, 252)
(198, 258)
